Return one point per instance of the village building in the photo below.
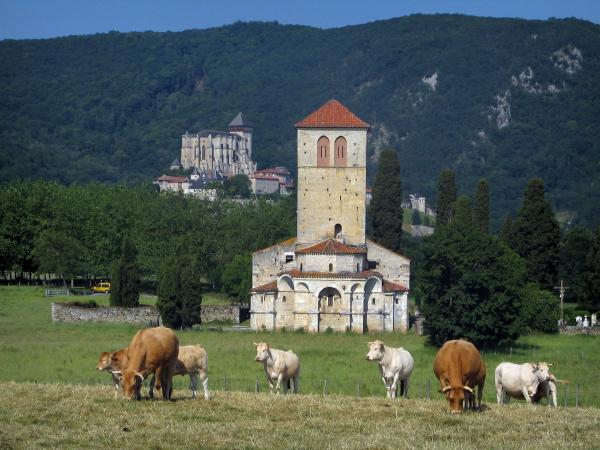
(330, 276)
(272, 180)
(220, 153)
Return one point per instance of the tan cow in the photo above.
(279, 365)
(113, 362)
(151, 351)
(459, 368)
(192, 360)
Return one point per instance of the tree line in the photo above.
(488, 288)
(79, 230)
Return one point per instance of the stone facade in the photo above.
(330, 276)
(215, 153)
(145, 315)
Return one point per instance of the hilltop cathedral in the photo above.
(220, 153)
(330, 276)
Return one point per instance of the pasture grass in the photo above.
(33, 349)
(78, 416)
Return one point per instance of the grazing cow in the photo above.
(151, 351)
(530, 381)
(394, 364)
(459, 367)
(111, 362)
(192, 360)
(279, 365)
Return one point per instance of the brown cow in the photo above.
(459, 367)
(113, 362)
(151, 351)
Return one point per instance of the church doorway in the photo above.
(330, 309)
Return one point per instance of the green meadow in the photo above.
(34, 349)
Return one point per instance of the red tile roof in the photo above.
(332, 115)
(331, 247)
(261, 176)
(277, 170)
(388, 286)
(295, 273)
(269, 287)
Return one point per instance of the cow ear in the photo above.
(255, 344)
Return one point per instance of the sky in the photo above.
(34, 19)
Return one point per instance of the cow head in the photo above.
(376, 351)
(263, 351)
(104, 361)
(132, 383)
(456, 396)
(542, 371)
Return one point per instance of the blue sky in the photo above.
(24, 19)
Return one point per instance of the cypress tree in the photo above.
(482, 206)
(386, 206)
(446, 196)
(537, 236)
(574, 249)
(415, 217)
(592, 276)
(126, 282)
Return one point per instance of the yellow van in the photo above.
(102, 287)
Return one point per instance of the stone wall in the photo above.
(224, 313)
(64, 312)
(571, 330)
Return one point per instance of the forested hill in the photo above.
(504, 99)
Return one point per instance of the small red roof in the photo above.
(260, 176)
(295, 273)
(277, 170)
(332, 115)
(269, 287)
(388, 286)
(331, 247)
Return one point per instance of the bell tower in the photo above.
(332, 157)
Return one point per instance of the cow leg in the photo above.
(167, 379)
(278, 387)
(499, 394)
(394, 384)
(151, 386)
(296, 381)
(479, 396)
(204, 380)
(194, 383)
(285, 385)
(404, 388)
(525, 393)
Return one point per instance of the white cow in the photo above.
(530, 381)
(394, 364)
(279, 365)
(192, 360)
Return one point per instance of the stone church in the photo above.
(330, 276)
(220, 153)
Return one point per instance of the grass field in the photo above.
(62, 416)
(33, 349)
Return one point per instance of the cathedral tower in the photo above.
(240, 126)
(332, 157)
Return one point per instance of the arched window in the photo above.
(323, 152)
(330, 267)
(203, 153)
(337, 231)
(357, 267)
(300, 267)
(341, 154)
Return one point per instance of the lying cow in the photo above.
(279, 365)
(151, 351)
(113, 362)
(459, 368)
(192, 360)
(395, 364)
(529, 381)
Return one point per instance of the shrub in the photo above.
(540, 310)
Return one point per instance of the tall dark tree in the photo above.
(592, 276)
(446, 196)
(386, 206)
(481, 210)
(57, 253)
(470, 286)
(415, 217)
(574, 249)
(125, 281)
(537, 236)
(506, 233)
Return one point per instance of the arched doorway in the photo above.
(370, 305)
(330, 309)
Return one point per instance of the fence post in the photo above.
(565, 396)
(256, 386)
(428, 389)
(511, 351)
(577, 397)
(358, 389)
(225, 383)
(325, 388)
(582, 356)
(534, 352)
